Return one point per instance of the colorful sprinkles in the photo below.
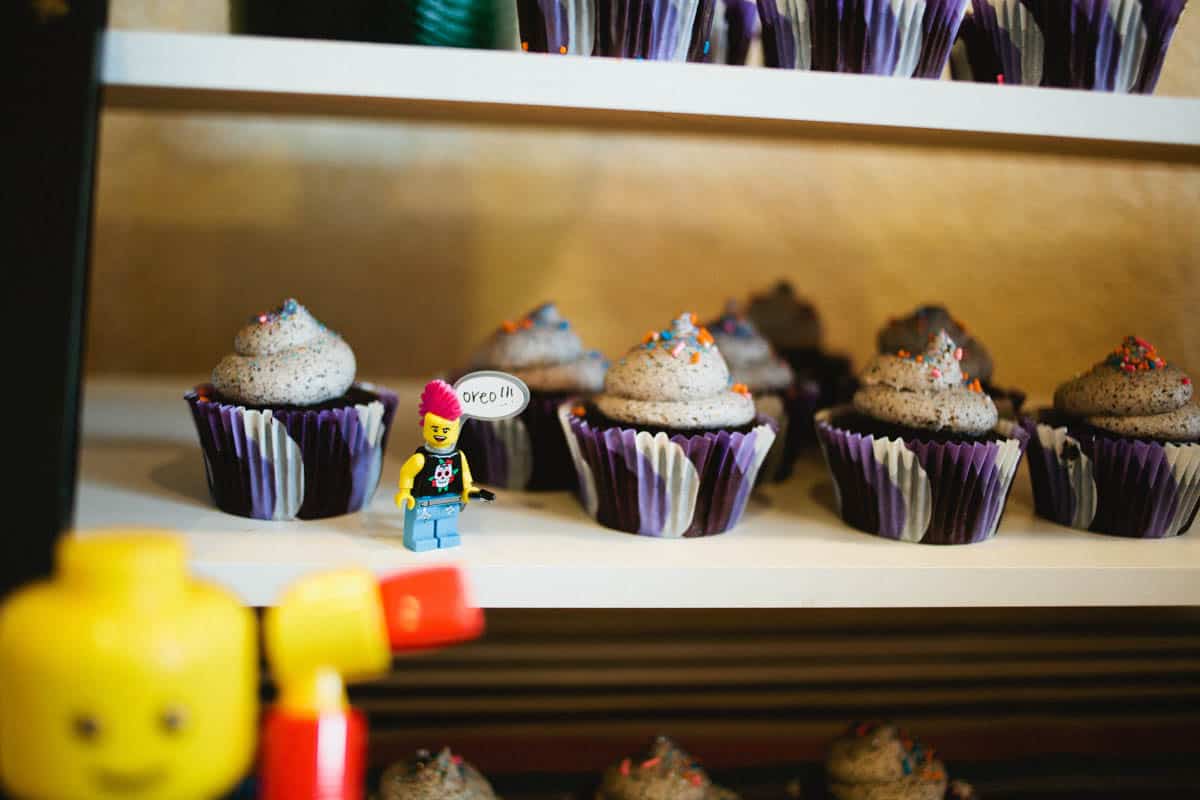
(1135, 354)
(544, 316)
(289, 307)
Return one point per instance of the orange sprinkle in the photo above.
(625, 767)
(966, 375)
(562, 48)
(903, 353)
(975, 387)
(526, 323)
(692, 318)
(508, 325)
(651, 762)
(525, 45)
(579, 411)
(704, 337)
(920, 358)
(695, 358)
(741, 388)
(651, 336)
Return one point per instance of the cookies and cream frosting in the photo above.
(1133, 392)
(874, 761)
(912, 333)
(926, 390)
(428, 777)
(544, 351)
(676, 378)
(664, 773)
(285, 357)
(788, 321)
(749, 355)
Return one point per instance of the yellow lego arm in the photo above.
(468, 484)
(408, 472)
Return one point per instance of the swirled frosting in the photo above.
(912, 333)
(665, 772)
(925, 390)
(749, 355)
(873, 761)
(676, 378)
(285, 357)
(1133, 392)
(544, 351)
(428, 777)
(787, 321)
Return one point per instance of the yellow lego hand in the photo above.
(466, 495)
(404, 499)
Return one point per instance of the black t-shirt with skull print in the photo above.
(441, 476)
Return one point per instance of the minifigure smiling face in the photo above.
(439, 432)
(440, 414)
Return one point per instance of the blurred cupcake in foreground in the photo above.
(771, 380)
(656, 30)
(921, 455)
(428, 777)
(1108, 45)
(792, 326)
(878, 761)
(671, 447)
(285, 431)
(528, 452)
(664, 772)
(912, 333)
(904, 38)
(1120, 451)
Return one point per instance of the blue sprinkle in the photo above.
(706, 48)
(562, 326)
(667, 336)
(906, 766)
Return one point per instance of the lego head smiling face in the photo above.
(440, 414)
(124, 678)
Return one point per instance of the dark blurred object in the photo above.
(734, 25)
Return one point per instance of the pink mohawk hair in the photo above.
(439, 398)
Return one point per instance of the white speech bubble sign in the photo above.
(491, 395)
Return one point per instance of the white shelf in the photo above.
(141, 466)
(245, 73)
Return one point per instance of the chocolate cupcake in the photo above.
(793, 327)
(912, 333)
(904, 38)
(664, 772)
(772, 382)
(657, 30)
(1120, 451)
(428, 777)
(921, 455)
(1107, 45)
(285, 431)
(671, 447)
(878, 761)
(528, 452)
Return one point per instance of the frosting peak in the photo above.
(787, 321)
(750, 357)
(665, 771)
(541, 349)
(285, 357)
(428, 777)
(913, 331)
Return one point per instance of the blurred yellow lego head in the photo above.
(122, 677)
(439, 432)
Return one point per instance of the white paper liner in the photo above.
(1012, 16)
(772, 405)
(587, 481)
(280, 450)
(1080, 472)
(1185, 468)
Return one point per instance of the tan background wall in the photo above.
(415, 240)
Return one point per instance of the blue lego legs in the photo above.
(431, 526)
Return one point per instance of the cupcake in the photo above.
(528, 452)
(1120, 451)
(912, 333)
(792, 326)
(905, 38)
(663, 773)
(1106, 45)
(671, 447)
(285, 431)
(920, 455)
(658, 30)
(773, 384)
(878, 761)
(428, 777)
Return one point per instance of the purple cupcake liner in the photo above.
(291, 462)
(911, 38)
(1103, 45)
(567, 27)
(526, 453)
(1097, 481)
(658, 30)
(795, 432)
(683, 485)
(912, 489)
(733, 27)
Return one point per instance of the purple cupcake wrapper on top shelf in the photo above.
(567, 27)
(526, 453)
(293, 463)
(683, 485)
(920, 491)
(1104, 45)
(733, 27)
(872, 37)
(1100, 482)
(657, 30)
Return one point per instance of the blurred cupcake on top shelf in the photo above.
(1120, 451)
(425, 776)
(913, 332)
(1102, 45)
(663, 772)
(528, 452)
(771, 380)
(793, 327)
(656, 30)
(904, 38)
